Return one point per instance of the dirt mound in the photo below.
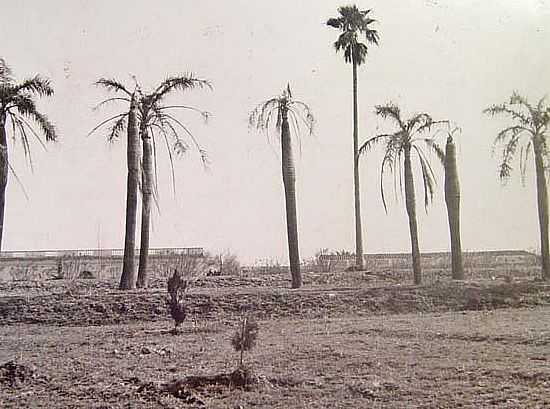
(107, 307)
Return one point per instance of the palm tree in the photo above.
(156, 119)
(286, 111)
(152, 119)
(120, 122)
(409, 138)
(529, 133)
(452, 200)
(18, 112)
(352, 23)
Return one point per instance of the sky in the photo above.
(451, 59)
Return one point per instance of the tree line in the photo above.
(146, 120)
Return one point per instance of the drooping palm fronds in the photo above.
(263, 116)
(529, 133)
(409, 134)
(530, 123)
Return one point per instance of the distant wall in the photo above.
(377, 262)
(25, 265)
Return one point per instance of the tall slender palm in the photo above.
(127, 119)
(529, 133)
(156, 119)
(285, 110)
(18, 112)
(353, 23)
(408, 139)
(452, 200)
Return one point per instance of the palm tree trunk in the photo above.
(4, 169)
(452, 200)
(357, 191)
(410, 203)
(289, 181)
(147, 189)
(542, 201)
(128, 277)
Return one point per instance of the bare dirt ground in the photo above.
(346, 340)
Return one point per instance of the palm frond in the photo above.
(108, 100)
(519, 116)
(201, 151)
(106, 121)
(428, 177)
(47, 128)
(178, 83)
(5, 72)
(36, 85)
(110, 84)
(334, 22)
(170, 156)
(509, 133)
(205, 114)
(370, 143)
(391, 111)
(435, 148)
(18, 180)
(508, 153)
(390, 162)
(524, 158)
(117, 129)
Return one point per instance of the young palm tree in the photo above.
(353, 23)
(286, 111)
(120, 122)
(407, 140)
(529, 133)
(156, 119)
(19, 113)
(452, 200)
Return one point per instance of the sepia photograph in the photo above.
(274, 204)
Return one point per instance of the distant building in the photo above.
(93, 262)
(385, 261)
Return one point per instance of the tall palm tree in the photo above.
(156, 119)
(147, 117)
(353, 23)
(19, 113)
(408, 139)
(452, 200)
(529, 133)
(285, 110)
(127, 119)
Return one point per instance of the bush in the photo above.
(245, 337)
(175, 300)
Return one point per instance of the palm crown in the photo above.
(154, 116)
(273, 109)
(409, 135)
(353, 22)
(531, 125)
(17, 105)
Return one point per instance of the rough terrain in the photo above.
(346, 340)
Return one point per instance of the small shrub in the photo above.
(245, 337)
(175, 300)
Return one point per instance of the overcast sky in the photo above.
(449, 58)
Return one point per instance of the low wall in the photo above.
(83, 263)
